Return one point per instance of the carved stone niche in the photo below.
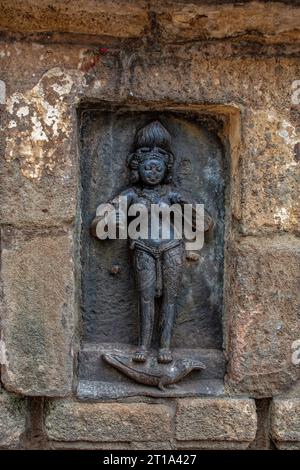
(109, 295)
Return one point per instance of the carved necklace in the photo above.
(151, 194)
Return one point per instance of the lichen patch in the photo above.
(40, 124)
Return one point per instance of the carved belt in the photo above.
(156, 252)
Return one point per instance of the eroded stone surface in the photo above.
(270, 172)
(215, 420)
(75, 421)
(38, 311)
(12, 419)
(174, 20)
(192, 21)
(263, 314)
(121, 19)
(40, 153)
(39, 125)
(285, 423)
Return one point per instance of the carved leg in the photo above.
(172, 274)
(145, 277)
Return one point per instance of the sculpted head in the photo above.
(151, 163)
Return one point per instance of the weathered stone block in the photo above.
(120, 19)
(285, 423)
(175, 21)
(77, 421)
(262, 318)
(192, 21)
(270, 171)
(216, 420)
(38, 311)
(39, 169)
(12, 419)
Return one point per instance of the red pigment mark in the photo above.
(92, 59)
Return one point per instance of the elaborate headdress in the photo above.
(153, 141)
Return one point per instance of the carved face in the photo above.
(152, 171)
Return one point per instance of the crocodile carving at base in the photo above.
(151, 372)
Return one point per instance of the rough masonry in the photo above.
(237, 63)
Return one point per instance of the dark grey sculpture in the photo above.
(157, 262)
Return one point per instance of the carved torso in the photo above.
(163, 197)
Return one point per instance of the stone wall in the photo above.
(237, 62)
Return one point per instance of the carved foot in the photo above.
(164, 356)
(140, 355)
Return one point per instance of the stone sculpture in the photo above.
(158, 262)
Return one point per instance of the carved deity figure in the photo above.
(158, 262)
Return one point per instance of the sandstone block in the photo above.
(12, 419)
(270, 171)
(120, 19)
(262, 317)
(39, 169)
(214, 421)
(77, 421)
(285, 423)
(192, 21)
(38, 311)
